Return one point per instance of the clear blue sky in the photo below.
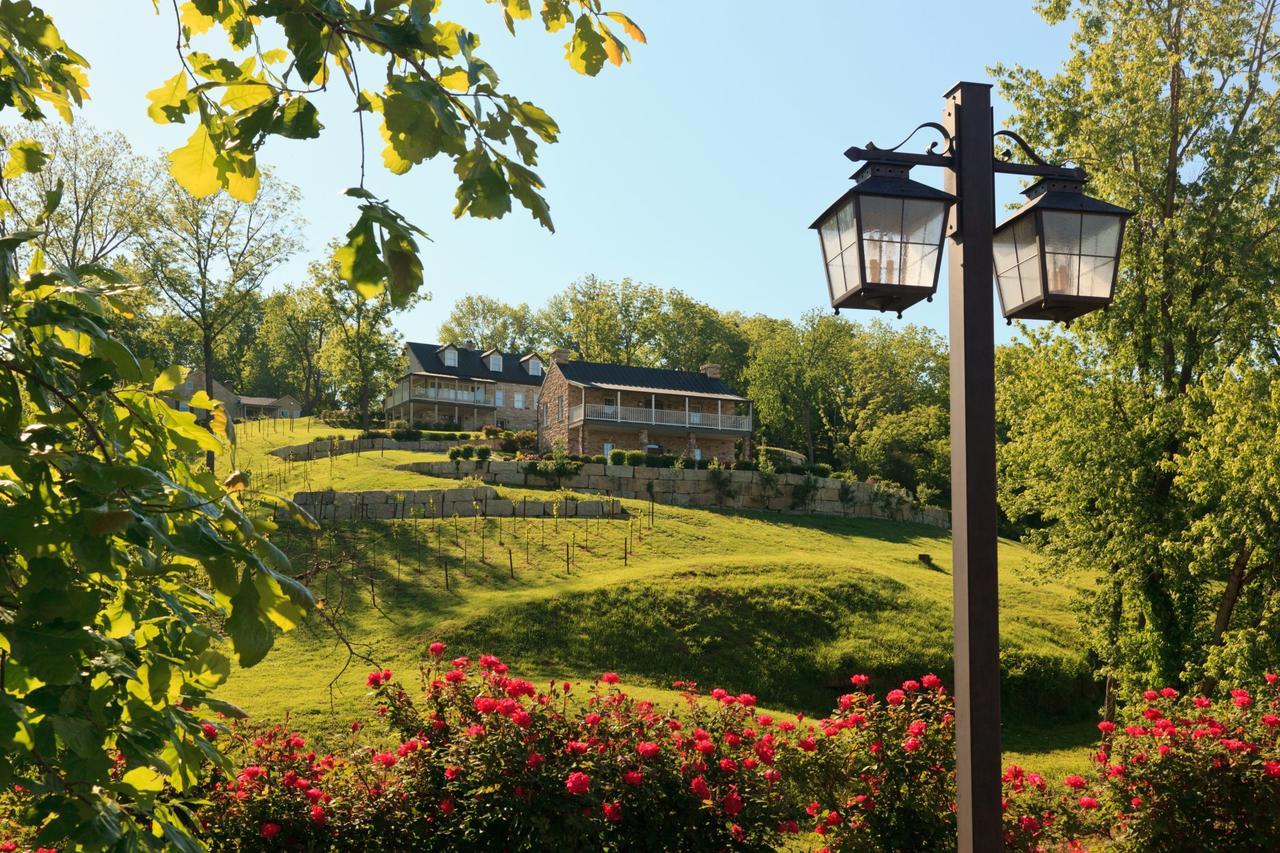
(699, 166)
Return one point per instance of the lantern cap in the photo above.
(1064, 194)
(877, 177)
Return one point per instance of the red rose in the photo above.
(1074, 781)
(634, 778)
(860, 680)
(318, 816)
(534, 761)
(610, 678)
(612, 811)
(911, 686)
(1088, 803)
(931, 681)
(210, 730)
(269, 830)
(895, 697)
(437, 649)
(700, 788)
(732, 803)
(577, 783)
(1271, 769)
(911, 744)
(1106, 727)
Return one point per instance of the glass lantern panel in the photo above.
(1010, 289)
(919, 264)
(882, 238)
(922, 221)
(835, 278)
(1061, 233)
(848, 224)
(1096, 275)
(1005, 251)
(1029, 273)
(852, 266)
(1024, 236)
(1064, 273)
(1100, 235)
(830, 233)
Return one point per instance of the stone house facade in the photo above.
(593, 408)
(466, 386)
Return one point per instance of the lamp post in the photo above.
(1055, 258)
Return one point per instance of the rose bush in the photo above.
(474, 757)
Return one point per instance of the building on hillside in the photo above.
(595, 408)
(252, 408)
(466, 386)
(237, 406)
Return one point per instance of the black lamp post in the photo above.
(1054, 259)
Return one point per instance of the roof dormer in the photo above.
(449, 355)
(492, 360)
(532, 364)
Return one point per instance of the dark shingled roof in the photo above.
(471, 366)
(680, 381)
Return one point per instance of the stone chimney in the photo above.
(468, 344)
(560, 355)
(711, 371)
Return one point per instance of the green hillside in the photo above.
(781, 606)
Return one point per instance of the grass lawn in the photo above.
(785, 607)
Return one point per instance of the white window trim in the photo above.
(450, 358)
(518, 399)
(535, 367)
(499, 397)
(495, 363)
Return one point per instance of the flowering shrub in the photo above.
(1190, 773)
(475, 757)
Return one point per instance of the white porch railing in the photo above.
(665, 417)
(400, 394)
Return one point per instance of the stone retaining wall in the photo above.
(694, 488)
(325, 448)
(445, 503)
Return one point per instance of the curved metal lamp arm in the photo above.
(930, 157)
(1038, 165)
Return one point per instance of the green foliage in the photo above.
(124, 562)
(617, 457)
(438, 98)
(1120, 437)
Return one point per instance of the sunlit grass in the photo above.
(785, 607)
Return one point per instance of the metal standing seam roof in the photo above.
(259, 401)
(648, 380)
(471, 365)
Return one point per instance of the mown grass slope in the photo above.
(785, 607)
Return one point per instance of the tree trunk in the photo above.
(1230, 595)
(206, 351)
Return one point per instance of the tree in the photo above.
(689, 334)
(125, 567)
(795, 375)
(490, 324)
(363, 353)
(99, 185)
(210, 256)
(1175, 109)
(606, 321)
(296, 327)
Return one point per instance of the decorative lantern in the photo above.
(882, 240)
(1056, 257)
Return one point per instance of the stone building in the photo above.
(595, 408)
(466, 386)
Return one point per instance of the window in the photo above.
(495, 362)
(451, 358)
(518, 402)
(499, 397)
(535, 367)
(560, 409)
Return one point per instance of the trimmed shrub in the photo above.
(820, 469)
(490, 431)
(405, 434)
(636, 457)
(455, 453)
(744, 465)
(598, 459)
(526, 439)
(483, 453)
(468, 450)
(617, 457)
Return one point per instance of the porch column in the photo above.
(410, 409)
(618, 412)
(653, 409)
(719, 414)
(686, 411)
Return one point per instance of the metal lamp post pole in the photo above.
(970, 165)
(971, 178)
